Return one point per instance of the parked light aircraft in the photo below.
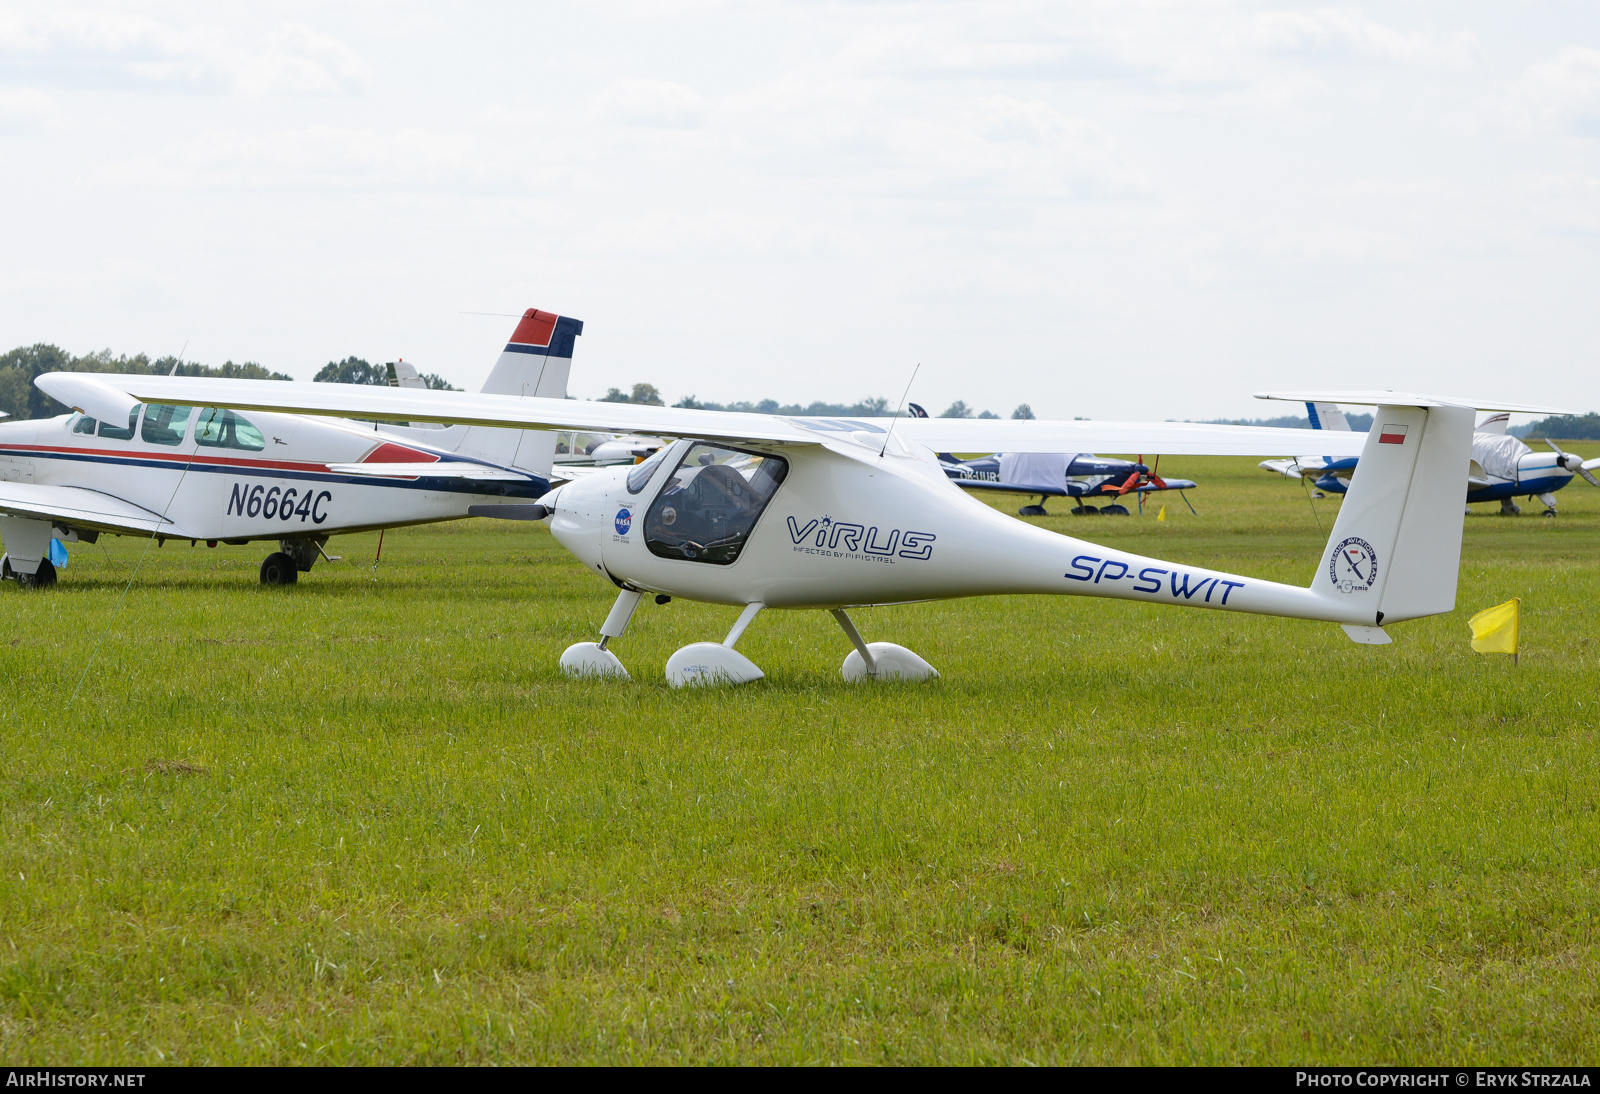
(1044, 475)
(203, 473)
(1503, 467)
(761, 511)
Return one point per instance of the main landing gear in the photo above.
(42, 578)
(1509, 508)
(293, 558)
(704, 664)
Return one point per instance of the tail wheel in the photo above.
(279, 569)
(42, 578)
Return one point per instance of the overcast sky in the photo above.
(1110, 209)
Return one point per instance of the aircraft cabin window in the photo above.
(165, 424)
(642, 473)
(225, 429)
(112, 432)
(84, 424)
(711, 503)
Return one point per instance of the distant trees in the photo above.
(21, 399)
(356, 370)
(645, 394)
(1566, 427)
(1024, 412)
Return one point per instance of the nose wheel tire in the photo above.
(279, 569)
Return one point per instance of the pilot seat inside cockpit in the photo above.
(709, 506)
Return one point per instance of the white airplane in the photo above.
(1503, 467)
(211, 474)
(760, 511)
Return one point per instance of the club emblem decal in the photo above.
(1353, 566)
(624, 522)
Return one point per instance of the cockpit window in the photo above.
(225, 429)
(116, 433)
(641, 475)
(711, 503)
(84, 424)
(165, 424)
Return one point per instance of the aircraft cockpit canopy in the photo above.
(711, 503)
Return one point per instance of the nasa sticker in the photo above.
(624, 521)
(1354, 566)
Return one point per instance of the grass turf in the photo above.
(366, 820)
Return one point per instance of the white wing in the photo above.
(81, 508)
(83, 391)
(477, 472)
(1149, 438)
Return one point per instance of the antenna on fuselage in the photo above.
(896, 417)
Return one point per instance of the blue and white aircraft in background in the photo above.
(1056, 475)
(1503, 468)
(216, 475)
(1080, 475)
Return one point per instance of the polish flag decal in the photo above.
(1392, 434)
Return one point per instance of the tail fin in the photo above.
(403, 373)
(1396, 547)
(538, 358)
(1494, 423)
(1327, 416)
(536, 362)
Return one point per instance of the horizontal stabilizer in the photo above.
(1375, 397)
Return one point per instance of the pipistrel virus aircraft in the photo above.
(212, 474)
(1503, 468)
(758, 511)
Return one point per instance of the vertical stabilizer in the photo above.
(1494, 423)
(537, 361)
(1327, 416)
(1396, 548)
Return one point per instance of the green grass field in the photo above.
(366, 820)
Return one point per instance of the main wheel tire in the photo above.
(42, 578)
(1032, 511)
(1086, 511)
(1114, 510)
(279, 569)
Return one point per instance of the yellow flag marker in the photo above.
(1163, 514)
(1498, 629)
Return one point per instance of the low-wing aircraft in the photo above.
(1503, 467)
(211, 474)
(761, 511)
(1056, 475)
(1080, 475)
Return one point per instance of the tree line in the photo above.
(20, 399)
(873, 407)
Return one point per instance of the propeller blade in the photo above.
(1128, 484)
(1158, 481)
(1589, 476)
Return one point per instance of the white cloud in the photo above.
(651, 103)
(1335, 31)
(1561, 93)
(317, 156)
(26, 108)
(286, 59)
(1013, 147)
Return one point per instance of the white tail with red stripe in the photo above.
(536, 362)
